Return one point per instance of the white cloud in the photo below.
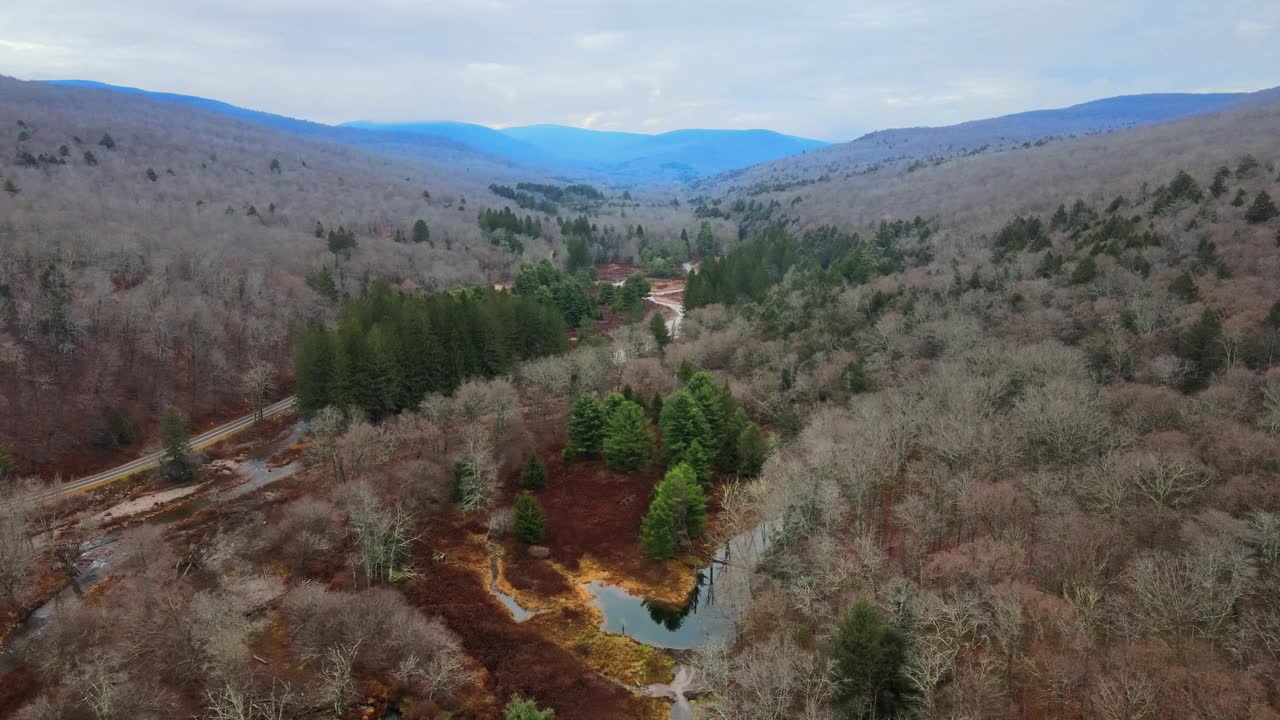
(831, 69)
(1252, 30)
(598, 41)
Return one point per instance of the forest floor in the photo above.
(560, 656)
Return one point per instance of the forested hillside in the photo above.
(1034, 469)
(153, 251)
(976, 182)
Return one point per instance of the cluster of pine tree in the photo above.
(828, 255)
(628, 297)
(391, 349)
(547, 284)
(619, 426)
(524, 200)
(703, 429)
(504, 219)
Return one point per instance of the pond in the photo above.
(700, 620)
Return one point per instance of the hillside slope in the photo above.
(974, 191)
(993, 134)
(163, 267)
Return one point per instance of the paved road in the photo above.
(146, 462)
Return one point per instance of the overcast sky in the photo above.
(825, 69)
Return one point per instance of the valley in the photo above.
(379, 419)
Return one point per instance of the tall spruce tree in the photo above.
(529, 526)
(1201, 346)
(677, 513)
(534, 475)
(177, 463)
(870, 666)
(586, 428)
(628, 438)
(661, 335)
(682, 424)
(753, 449)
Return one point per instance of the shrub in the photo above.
(521, 709)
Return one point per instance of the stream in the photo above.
(99, 559)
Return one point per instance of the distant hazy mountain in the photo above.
(686, 155)
(437, 147)
(484, 139)
(677, 155)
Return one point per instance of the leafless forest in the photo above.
(167, 266)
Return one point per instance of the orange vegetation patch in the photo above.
(517, 658)
(614, 272)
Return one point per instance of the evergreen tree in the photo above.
(853, 379)
(711, 403)
(577, 254)
(534, 475)
(1219, 185)
(1184, 287)
(661, 335)
(685, 371)
(735, 421)
(177, 463)
(1273, 316)
(421, 233)
(1262, 209)
(699, 459)
(586, 428)
(107, 141)
(677, 513)
(321, 281)
(314, 372)
(753, 449)
(706, 240)
(656, 538)
(1086, 270)
(682, 424)
(628, 438)
(1201, 346)
(528, 520)
(870, 665)
(655, 407)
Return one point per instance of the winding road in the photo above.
(150, 460)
